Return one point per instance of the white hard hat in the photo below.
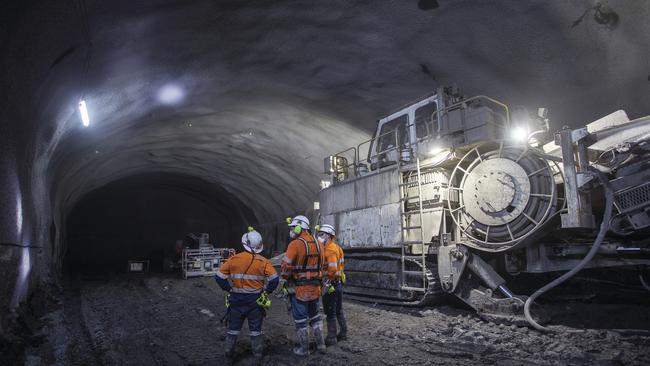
(301, 221)
(252, 241)
(327, 228)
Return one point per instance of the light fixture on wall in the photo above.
(170, 94)
(83, 112)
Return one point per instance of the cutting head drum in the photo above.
(505, 194)
(496, 191)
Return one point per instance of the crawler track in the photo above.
(374, 277)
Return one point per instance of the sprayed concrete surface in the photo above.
(163, 320)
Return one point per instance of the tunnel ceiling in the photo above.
(251, 95)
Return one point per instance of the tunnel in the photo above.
(141, 218)
(213, 116)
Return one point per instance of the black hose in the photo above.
(604, 227)
(643, 283)
(20, 245)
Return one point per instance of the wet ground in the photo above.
(164, 320)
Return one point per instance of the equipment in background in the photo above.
(204, 260)
(138, 266)
(194, 241)
(453, 195)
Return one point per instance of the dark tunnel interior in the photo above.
(141, 218)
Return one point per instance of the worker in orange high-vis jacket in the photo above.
(301, 267)
(247, 295)
(333, 294)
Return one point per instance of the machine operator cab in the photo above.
(396, 135)
(434, 123)
(430, 127)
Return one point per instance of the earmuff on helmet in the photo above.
(298, 224)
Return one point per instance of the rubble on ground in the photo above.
(157, 320)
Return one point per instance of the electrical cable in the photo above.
(84, 25)
(604, 227)
(20, 245)
(620, 285)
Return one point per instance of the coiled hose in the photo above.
(604, 227)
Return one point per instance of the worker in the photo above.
(333, 294)
(247, 297)
(301, 268)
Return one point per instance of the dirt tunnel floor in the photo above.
(158, 320)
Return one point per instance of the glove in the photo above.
(343, 277)
(288, 289)
(263, 301)
(331, 289)
(284, 287)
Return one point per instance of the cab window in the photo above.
(387, 140)
(423, 124)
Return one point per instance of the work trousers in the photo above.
(305, 312)
(332, 303)
(239, 313)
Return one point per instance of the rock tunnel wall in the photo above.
(250, 96)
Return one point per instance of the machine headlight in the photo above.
(437, 154)
(519, 134)
(435, 150)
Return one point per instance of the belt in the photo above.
(308, 282)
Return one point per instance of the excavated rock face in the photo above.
(250, 96)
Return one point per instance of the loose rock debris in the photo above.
(159, 320)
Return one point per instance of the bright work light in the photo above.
(83, 111)
(519, 134)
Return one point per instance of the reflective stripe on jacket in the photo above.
(248, 273)
(331, 265)
(302, 263)
(341, 256)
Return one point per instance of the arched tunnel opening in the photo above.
(144, 217)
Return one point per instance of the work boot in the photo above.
(331, 332)
(302, 336)
(318, 336)
(230, 343)
(257, 345)
(343, 327)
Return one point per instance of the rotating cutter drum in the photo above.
(505, 194)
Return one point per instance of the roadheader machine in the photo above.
(452, 195)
